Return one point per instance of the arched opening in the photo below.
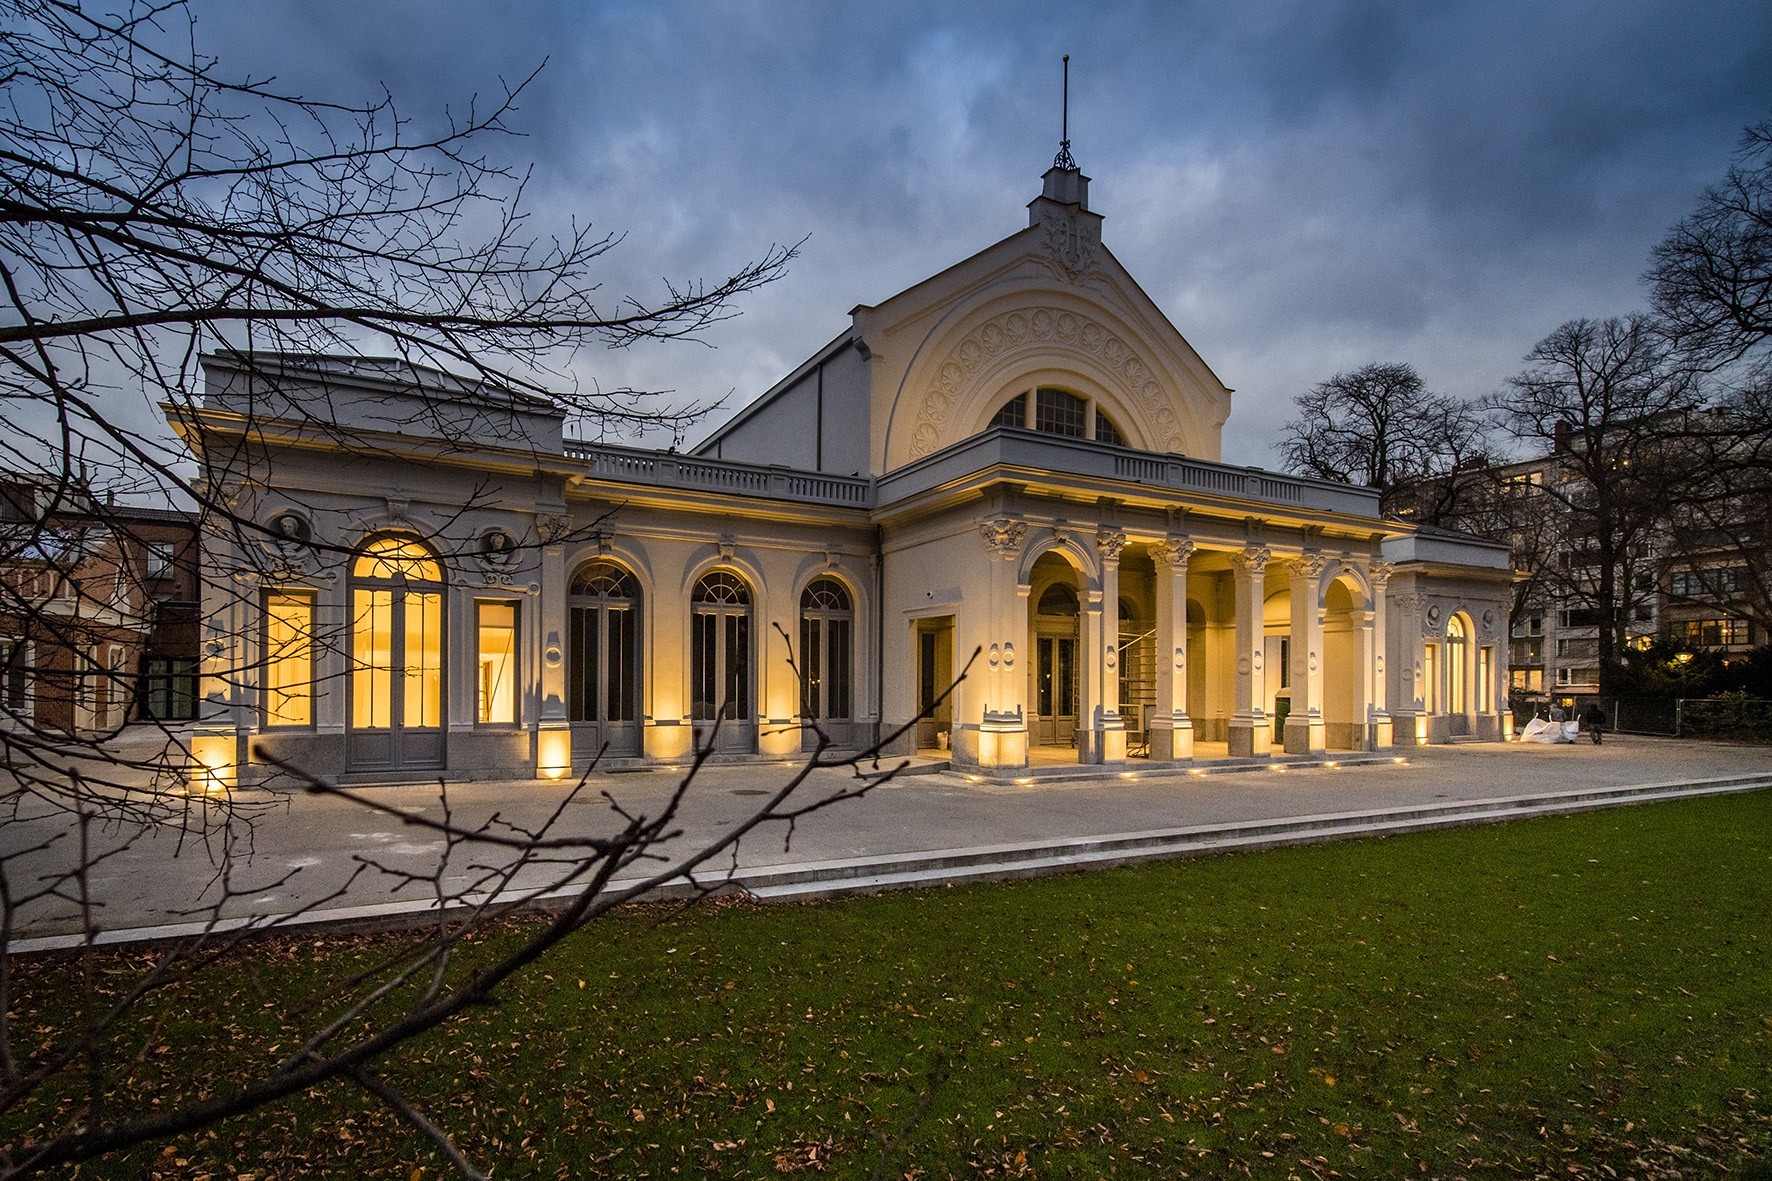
(603, 668)
(1344, 681)
(397, 656)
(1458, 667)
(827, 660)
(1055, 694)
(721, 673)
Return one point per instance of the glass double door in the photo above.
(604, 694)
(1055, 690)
(396, 679)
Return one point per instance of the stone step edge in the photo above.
(1029, 849)
(1236, 835)
(812, 890)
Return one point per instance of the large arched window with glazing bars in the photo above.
(827, 645)
(720, 648)
(603, 665)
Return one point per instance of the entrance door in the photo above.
(1055, 696)
(935, 677)
(1055, 691)
(396, 658)
(720, 662)
(604, 690)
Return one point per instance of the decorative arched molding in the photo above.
(852, 582)
(1051, 541)
(627, 556)
(1340, 570)
(716, 560)
(1039, 330)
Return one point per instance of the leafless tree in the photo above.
(1380, 426)
(152, 209)
(1712, 275)
(1614, 407)
(1712, 288)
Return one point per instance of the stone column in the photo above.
(1251, 730)
(553, 739)
(1304, 725)
(1107, 729)
(1169, 729)
(1000, 737)
(1372, 648)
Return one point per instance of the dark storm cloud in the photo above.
(1304, 187)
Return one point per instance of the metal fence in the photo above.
(1733, 716)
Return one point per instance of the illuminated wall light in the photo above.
(553, 753)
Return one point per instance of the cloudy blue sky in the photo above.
(1303, 187)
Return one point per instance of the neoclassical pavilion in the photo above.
(1018, 457)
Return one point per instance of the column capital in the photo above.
(1172, 551)
(1004, 536)
(1310, 566)
(1380, 574)
(1253, 560)
(1110, 542)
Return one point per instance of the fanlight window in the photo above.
(1058, 412)
(721, 587)
(404, 558)
(604, 580)
(825, 594)
(1058, 599)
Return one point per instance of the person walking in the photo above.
(1594, 718)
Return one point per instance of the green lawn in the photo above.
(1585, 995)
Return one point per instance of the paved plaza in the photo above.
(301, 848)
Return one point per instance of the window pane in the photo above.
(289, 662)
(1013, 413)
(1059, 413)
(1106, 431)
(372, 658)
(498, 662)
(621, 700)
(704, 663)
(926, 690)
(837, 670)
(738, 666)
(1067, 678)
(581, 650)
(1044, 680)
(423, 679)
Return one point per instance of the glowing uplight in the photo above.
(212, 764)
(1331, 763)
(553, 754)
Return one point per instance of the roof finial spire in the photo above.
(1064, 159)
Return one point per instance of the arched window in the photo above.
(603, 660)
(397, 654)
(720, 658)
(1058, 412)
(827, 622)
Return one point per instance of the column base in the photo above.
(1380, 734)
(1000, 740)
(1171, 737)
(1250, 736)
(1105, 744)
(1305, 736)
